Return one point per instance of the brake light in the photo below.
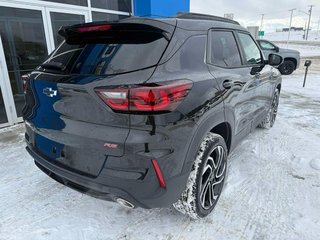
(95, 28)
(155, 97)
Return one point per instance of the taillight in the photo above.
(154, 97)
(117, 99)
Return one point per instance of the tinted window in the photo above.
(266, 45)
(98, 16)
(105, 59)
(118, 5)
(251, 50)
(224, 50)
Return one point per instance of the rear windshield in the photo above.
(107, 59)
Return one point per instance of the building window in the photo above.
(73, 2)
(98, 16)
(63, 19)
(118, 5)
(24, 45)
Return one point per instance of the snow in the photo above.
(310, 48)
(294, 36)
(272, 190)
(315, 164)
(305, 50)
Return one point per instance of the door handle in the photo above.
(227, 84)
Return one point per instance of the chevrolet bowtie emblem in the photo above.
(50, 92)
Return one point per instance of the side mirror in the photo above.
(274, 60)
(277, 49)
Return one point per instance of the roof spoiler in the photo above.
(119, 32)
(199, 16)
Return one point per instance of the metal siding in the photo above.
(163, 8)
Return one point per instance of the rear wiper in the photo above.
(54, 66)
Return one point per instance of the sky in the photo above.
(248, 12)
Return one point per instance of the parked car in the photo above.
(291, 57)
(145, 111)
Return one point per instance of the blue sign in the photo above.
(160, 8)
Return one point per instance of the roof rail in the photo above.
(190, 15)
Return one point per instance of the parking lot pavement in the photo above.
(272, 190)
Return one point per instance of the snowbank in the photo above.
(272, 190)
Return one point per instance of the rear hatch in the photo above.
(72, 126)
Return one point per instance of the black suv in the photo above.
(145, 111)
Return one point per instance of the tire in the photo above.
(268, 122)
(287, 67)
(208, 173)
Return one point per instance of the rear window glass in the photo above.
(107, 59)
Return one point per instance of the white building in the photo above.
(28, 33)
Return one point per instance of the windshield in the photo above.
(107, 59)
(266, 45)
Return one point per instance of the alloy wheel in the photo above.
(274, 108)
(212, 178)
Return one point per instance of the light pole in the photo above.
(291, 10)
(310, 13)
(318, 27)
(261, 25)
(305, 30)
(305, 26)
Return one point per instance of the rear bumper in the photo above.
(111, 188)
(132, 176)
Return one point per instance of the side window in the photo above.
(251, 50)
(266, 45)
(224, 50)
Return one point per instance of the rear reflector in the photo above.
(155, 97)
(158, 173)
